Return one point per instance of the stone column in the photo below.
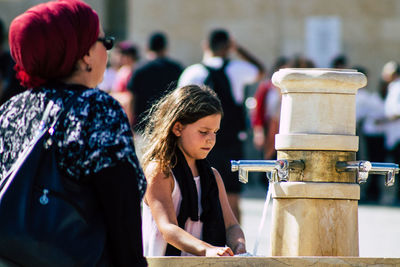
(315, 213)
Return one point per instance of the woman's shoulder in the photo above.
(87, 99)
(97, 134)
(97, 105)
(15, 100)
(97, 96)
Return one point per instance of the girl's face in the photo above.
(197, 139)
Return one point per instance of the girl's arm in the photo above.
(234, 234)
(158, 197)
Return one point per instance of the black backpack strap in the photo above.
(234, 119)
(226, 62)
(218, 80)
(46, 114)
(28, 149)
(66, 107)
(213, 70)
(222, 68)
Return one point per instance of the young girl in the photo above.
(186, 210)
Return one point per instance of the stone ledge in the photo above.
(342, 81)
(316, 142)
(270, 261)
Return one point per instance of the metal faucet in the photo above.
(363, 168)
(279, 169)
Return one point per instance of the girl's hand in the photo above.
(219, 252)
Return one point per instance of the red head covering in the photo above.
(47, 40)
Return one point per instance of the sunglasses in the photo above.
(108, 42)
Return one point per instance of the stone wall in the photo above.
(369, 29)
(370, 34)
(9, 9)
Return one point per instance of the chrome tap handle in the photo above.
(390, 178)
(284, 167)
(282, 170)
(278, 169)
(387, 169)
(253, 165)
(364, 168)
(244, 166)
(361, 167)
(272, 176)
(243, 176)
(381, 168)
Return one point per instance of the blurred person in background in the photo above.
(228, 78)
(391, 75)
(155, 78)
(371, 129)
(113, 65)
(129, 56)
(340, 62)
(299, 61)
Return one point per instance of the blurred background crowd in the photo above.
(155, 34)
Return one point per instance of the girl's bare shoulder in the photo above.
(218, 177)
(159, 185)
(154, 173)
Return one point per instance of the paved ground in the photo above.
(379, 226)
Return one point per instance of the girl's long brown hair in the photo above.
(185, 105)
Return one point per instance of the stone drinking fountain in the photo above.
(315, 179)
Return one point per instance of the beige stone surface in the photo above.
(270, 261)
(316, 190)
(319, 165)
(318, 109)
(318, 101)
(271, 28)
(337, 81)
(318, 113)
(314, 227)
(9, 9)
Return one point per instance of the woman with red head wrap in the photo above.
(60, 52)
(47, 41)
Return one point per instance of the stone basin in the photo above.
(270, 261)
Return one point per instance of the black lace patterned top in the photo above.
(94, 135)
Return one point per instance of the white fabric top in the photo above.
(153, 242)
(370, 107)
(392, 108)
(239, 72)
